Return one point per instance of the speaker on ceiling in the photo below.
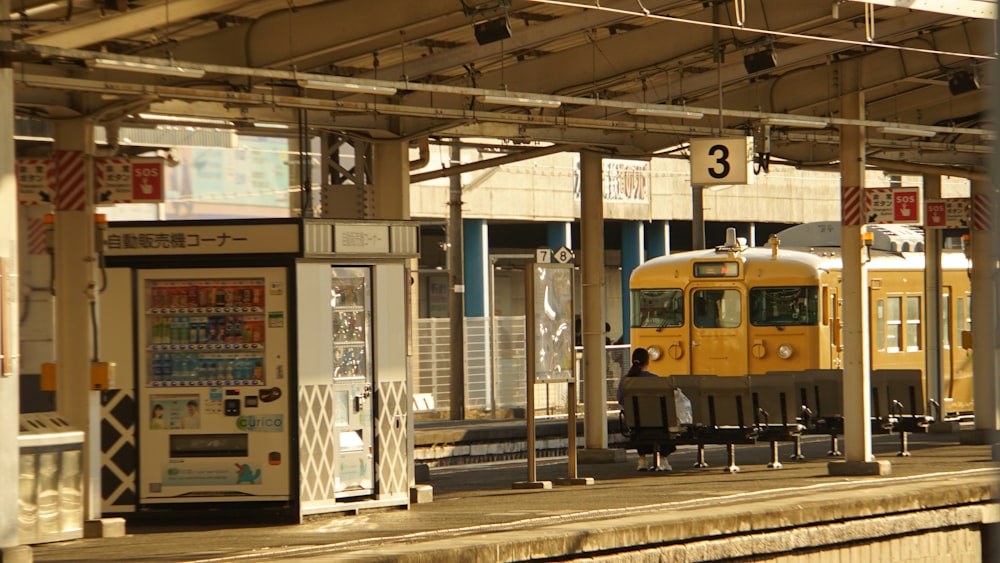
(492, 30)
(760, 61)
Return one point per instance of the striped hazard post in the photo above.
(982, 212)
(850, 206)
(71, 181)
(36, 237)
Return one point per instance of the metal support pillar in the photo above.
(697, 218)
(632, 257)
(857, 378)
(456, 301)
(657, 235)
(76, 292)
(985, 240)
(391, 178)
(595, 416)
(933, 297)
(476, 267)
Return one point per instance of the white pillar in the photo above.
(76, 291)
(858, 458)
(9, 393)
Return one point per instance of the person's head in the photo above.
(192, 407)
(157, 410)
(640, 360)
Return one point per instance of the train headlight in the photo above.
(654, 352)
(785, 351)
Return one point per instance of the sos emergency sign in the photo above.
(892, 205)
(129, 180)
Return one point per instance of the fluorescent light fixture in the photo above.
(907, 131)
(267, 125)
(145, 68)
(795, 122)
(666, 112)
(348, 87)
(519, 101)
(185, 120)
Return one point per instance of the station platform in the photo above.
(687, 514)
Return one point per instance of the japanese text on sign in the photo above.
(951, 213)
(892, 205)
(154, 241)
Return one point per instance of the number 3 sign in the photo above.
(721, 161)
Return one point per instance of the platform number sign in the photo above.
(721, 161)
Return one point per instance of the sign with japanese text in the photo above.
(951, 213)
(194, 239)
(36, 179)
(129, 180)
(893, 205)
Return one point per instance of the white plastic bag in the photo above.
(682, 405)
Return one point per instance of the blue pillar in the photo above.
(657, 239)
(559, 234)
(475, 254)
(632, 243)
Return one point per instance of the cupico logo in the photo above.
(266, 423)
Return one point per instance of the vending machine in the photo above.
(269, 360)
(213, 371)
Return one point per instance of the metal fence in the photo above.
(495, 376)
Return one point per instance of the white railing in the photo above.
(494, 370)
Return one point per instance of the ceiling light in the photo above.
(666, 112)
(145, 68)
(267, 125)
(185, 120)
(519, 101)
(907, 131)
(349, 87)
(795, 122)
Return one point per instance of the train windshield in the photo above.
(784, 306)
(657, 308)
(716, 308)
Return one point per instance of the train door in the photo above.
(947, 330)
(718, 331)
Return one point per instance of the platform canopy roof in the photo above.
(629, 77)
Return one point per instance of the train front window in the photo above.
(657, 308)
(784, 306)
(716, 308)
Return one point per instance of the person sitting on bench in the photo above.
(640, 368)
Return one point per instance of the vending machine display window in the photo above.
(205, 332)
(349, 300)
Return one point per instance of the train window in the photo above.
(657, 308)
(716, 269)
(894, 324)
(784, 306)
(716, 308)
(912, 323)
(880, 325)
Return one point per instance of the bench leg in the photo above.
(833, 446)
(904, 445)
(774, 464)
(701, 457)
(731, 454)
(798, 455)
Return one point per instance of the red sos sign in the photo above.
(905, 206)
(147, 181)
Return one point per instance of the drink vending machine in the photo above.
(268, 359)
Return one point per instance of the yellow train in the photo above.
(737, 310)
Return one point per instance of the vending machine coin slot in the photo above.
(232, 407)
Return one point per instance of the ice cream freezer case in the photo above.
(268, 359)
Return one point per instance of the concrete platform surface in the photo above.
(477, 515)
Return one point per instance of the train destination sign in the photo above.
(900, 206)
(951, 213)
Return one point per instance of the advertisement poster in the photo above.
(174, 412)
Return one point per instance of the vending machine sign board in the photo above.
(951, 213)
(892, 205)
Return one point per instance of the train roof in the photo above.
(826, 234)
